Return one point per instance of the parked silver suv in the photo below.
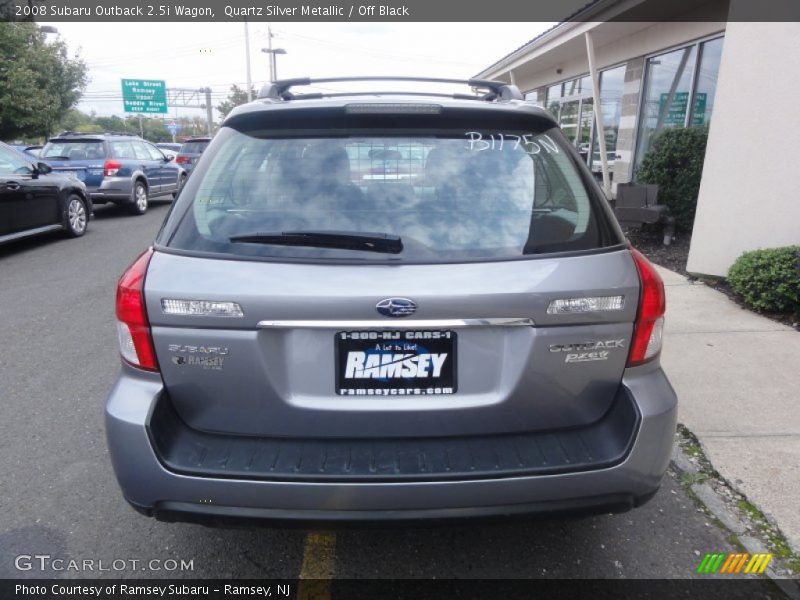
(386, 306)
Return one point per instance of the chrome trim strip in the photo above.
(399, 323)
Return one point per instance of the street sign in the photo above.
(173, 127)
(144, 96)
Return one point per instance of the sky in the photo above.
(194, 55)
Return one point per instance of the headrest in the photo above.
(327, 163)
(444, 165)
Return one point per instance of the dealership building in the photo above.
(697, 65)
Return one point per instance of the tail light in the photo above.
(111, 167)
(181, 160)
(133, 327)
(649, 325)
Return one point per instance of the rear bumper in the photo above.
(156, 489)
(112, 189)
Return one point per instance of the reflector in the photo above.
(566, 306)
(201, 308)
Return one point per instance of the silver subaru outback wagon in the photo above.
(389, 306)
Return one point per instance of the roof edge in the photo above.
(588, 12)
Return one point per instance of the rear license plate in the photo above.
(395, 363)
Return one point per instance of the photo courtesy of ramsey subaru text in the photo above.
(389, 306)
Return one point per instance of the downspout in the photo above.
(598, 115)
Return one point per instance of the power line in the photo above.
(355, 48)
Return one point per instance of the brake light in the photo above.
(133, 327)
(649, 325)
(111, 167)
(180, 159)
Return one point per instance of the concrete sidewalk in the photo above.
(737, 376)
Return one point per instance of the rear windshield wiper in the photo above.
(55, 157)
(348, 240)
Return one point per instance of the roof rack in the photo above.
(498, 90)
(86, 133)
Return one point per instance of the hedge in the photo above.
(675, 163)
(768, 279)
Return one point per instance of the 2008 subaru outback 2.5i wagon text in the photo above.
(389, 306)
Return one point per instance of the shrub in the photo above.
(769, 279)
(675, 163)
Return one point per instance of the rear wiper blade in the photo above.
(348, 240)
(54, 157)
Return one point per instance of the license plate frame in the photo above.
(439, 374)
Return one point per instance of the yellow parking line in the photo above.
(319, 557)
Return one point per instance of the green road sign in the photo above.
(144, 96)
(676, 114)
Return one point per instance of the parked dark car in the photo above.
(119, 168)
(34, 200)
(190, 152)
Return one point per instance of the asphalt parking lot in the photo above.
(58, 495)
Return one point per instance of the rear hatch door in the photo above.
(81, 158)
(279, 370)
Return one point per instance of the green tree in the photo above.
(236, 97)
(39, 83)
(75, 120)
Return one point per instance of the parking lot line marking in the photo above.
(319, 556)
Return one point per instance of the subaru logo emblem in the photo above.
(396, 307)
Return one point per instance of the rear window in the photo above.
(194, 147)
(455, 196)
(12, 163)
(73, 150)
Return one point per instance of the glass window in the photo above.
(73, 150)
(194, 147)
(585, 85)
(141, 151)
(122, 150)
(12, 163)
(706, 82)
(585, 127)
(669, 100)
(155, 153)
(611, 87)
(553, 99)
(568, 121)
(451, 196)
(533, 96)
(669, 80)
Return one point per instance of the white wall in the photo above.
(750, 191)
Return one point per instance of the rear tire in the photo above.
(139, 198)
(181, 183)
(76, 217)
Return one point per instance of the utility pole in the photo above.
(209, 112)
(270, 54)
(247, 53)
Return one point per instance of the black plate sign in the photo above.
(395, 363)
